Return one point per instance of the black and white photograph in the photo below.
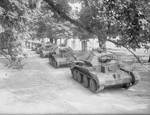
(74, 57)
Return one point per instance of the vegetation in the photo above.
(11, 21)
(107, 19)
(123, 22)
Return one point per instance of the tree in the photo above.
(128, 19)
(12, 21)
(133, 22)
(106, 19)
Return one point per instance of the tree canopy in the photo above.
(123, 22)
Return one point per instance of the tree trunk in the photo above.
(51, 40)
(65, 42)
(84, 45)
(102, 44)
(60, 41)
(149, 59)
(55, 41)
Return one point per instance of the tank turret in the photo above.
(61, 56)
(45, 50)
(38, 46)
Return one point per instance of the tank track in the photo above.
(53, 62)
(86, 80)
(89, 82)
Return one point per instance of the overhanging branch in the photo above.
(65, 16)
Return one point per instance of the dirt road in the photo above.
(40, 88)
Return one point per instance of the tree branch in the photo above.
(137, 58)
(65, 16)
(4, 53)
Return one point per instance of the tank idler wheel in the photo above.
(93, 85)
(85, 82)
(126, 85)
(74, 75)
(79, 77)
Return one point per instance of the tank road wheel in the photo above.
(85, 82)
(93, 85)
(52, 61)
(37, 52)
(56, 64)
(125, 85)
(74, 74)
(79, 77)
(41, 54)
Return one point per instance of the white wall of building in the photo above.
(75, 44)
(92, 43)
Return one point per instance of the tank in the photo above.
(45, 49)
(34, 44)
(97, 71)
(52, 49)
(38, 46)
(29, 43)
(61, 56)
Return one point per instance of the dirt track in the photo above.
(40, 88)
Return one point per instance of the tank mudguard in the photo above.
(100, 80)
(135, 76)
(76, 63)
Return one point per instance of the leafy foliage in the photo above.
(12, 22)
(106, 19)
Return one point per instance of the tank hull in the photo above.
(61, 56)
(97, 76)
(59, 62)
